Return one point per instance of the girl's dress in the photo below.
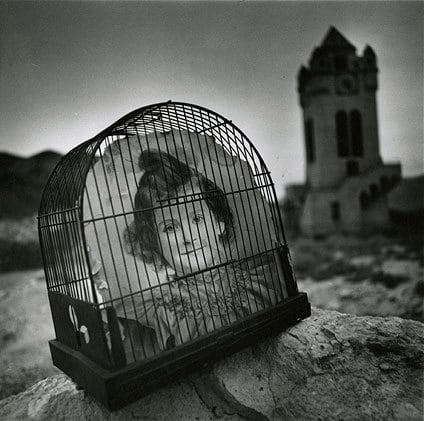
(185, 308)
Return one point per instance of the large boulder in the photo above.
(331, 366)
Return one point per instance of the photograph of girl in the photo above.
(183, 224)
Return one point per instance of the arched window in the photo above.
(356, 133)
(310, 141)
(374, 191)
(335, 211)
(384, 183)
(342, 134)
(363, 200)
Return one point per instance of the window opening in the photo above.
(310, 141)
(342, 134)
(374, 192)
(356, 133)
(384, 183)
(335, 211)
(363, 200)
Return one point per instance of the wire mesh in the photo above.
(170, 216)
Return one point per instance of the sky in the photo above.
(70, 69)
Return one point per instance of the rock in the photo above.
(362, 261)
(379, 295)
(394, 250)
(25, 328)
(331, 366)
(408, 268)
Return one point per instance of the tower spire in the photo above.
(334, 39)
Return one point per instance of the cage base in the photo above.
(115, 389)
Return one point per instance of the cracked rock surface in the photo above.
(331, 366)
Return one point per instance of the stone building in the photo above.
(346, 180)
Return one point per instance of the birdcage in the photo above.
(163, 250)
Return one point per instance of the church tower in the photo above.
(346, 180)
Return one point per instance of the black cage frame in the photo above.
(105, 375)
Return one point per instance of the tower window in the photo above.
(384, 183)
(352, 168)
(374, 191)
(342, 134)
(356, 133)
(349, 134)
(310, 141)
(363, 200)
(335, 211)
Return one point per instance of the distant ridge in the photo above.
(22, 181)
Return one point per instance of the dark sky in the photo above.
(68, 70)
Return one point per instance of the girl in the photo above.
(183, 224)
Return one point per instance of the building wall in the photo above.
(316, 216)
(318, 203)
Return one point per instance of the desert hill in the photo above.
(22, 181)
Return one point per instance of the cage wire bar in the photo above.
(120, 303)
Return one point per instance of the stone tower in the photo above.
(346, 179)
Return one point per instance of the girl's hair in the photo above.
(163, 179)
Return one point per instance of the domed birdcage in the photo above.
(163, 250)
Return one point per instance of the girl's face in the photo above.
(188, 234)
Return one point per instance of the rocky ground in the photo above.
(379, 276)
(25, 328)
(19, 248)
(331, 366)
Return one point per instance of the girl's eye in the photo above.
(169, 228)
(198, 219)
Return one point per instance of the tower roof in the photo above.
(368, 51)
(334, 39)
